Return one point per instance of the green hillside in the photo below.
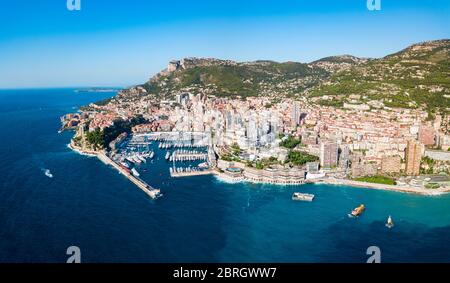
(418, 76)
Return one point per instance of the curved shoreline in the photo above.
(226, 179)
(400, 189)
(82, 152)
(349, 183)
(329, 181)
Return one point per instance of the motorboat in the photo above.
(357, 211)
(302, 197)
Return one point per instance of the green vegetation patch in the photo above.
(290, 143)
(432, 186)
(377, 180)
(299, 158)
(96, 139)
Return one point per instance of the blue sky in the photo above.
(121, 43)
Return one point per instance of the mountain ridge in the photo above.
(416, 76)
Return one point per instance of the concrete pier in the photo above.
(189, 156)
(189, 174)
(151, 192)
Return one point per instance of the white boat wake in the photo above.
(48, 173)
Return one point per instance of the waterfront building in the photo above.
(344, 156)
(275, 175)
(233, 174)
(413, 157)
(390, 164)
(364, 169)
(328, 154)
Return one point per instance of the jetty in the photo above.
(151, 192)
(175, 174)
(189, 156)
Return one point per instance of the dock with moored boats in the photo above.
(150, 191)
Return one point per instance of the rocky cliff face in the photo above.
(190, 63)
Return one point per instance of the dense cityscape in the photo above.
(225, 139)
(289, 140)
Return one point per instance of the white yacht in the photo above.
(302, 197)
(135, 172)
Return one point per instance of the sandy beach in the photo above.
(402, 189)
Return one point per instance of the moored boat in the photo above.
(156, 193)
(135, 172)
(203, 165)
(136, 159)
(141, 158)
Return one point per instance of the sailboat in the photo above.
(389, 222)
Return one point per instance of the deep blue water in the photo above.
(199, 219)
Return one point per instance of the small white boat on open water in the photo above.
(389, 222)
(302, 197)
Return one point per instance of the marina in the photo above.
(150, 191)
(192, 157)
(188, 153)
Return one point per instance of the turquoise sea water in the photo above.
(199, 219)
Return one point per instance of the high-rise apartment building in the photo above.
(413, 157)
(328, 154)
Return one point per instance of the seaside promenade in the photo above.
(395, 188)
(192, 173)
(155, 193)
